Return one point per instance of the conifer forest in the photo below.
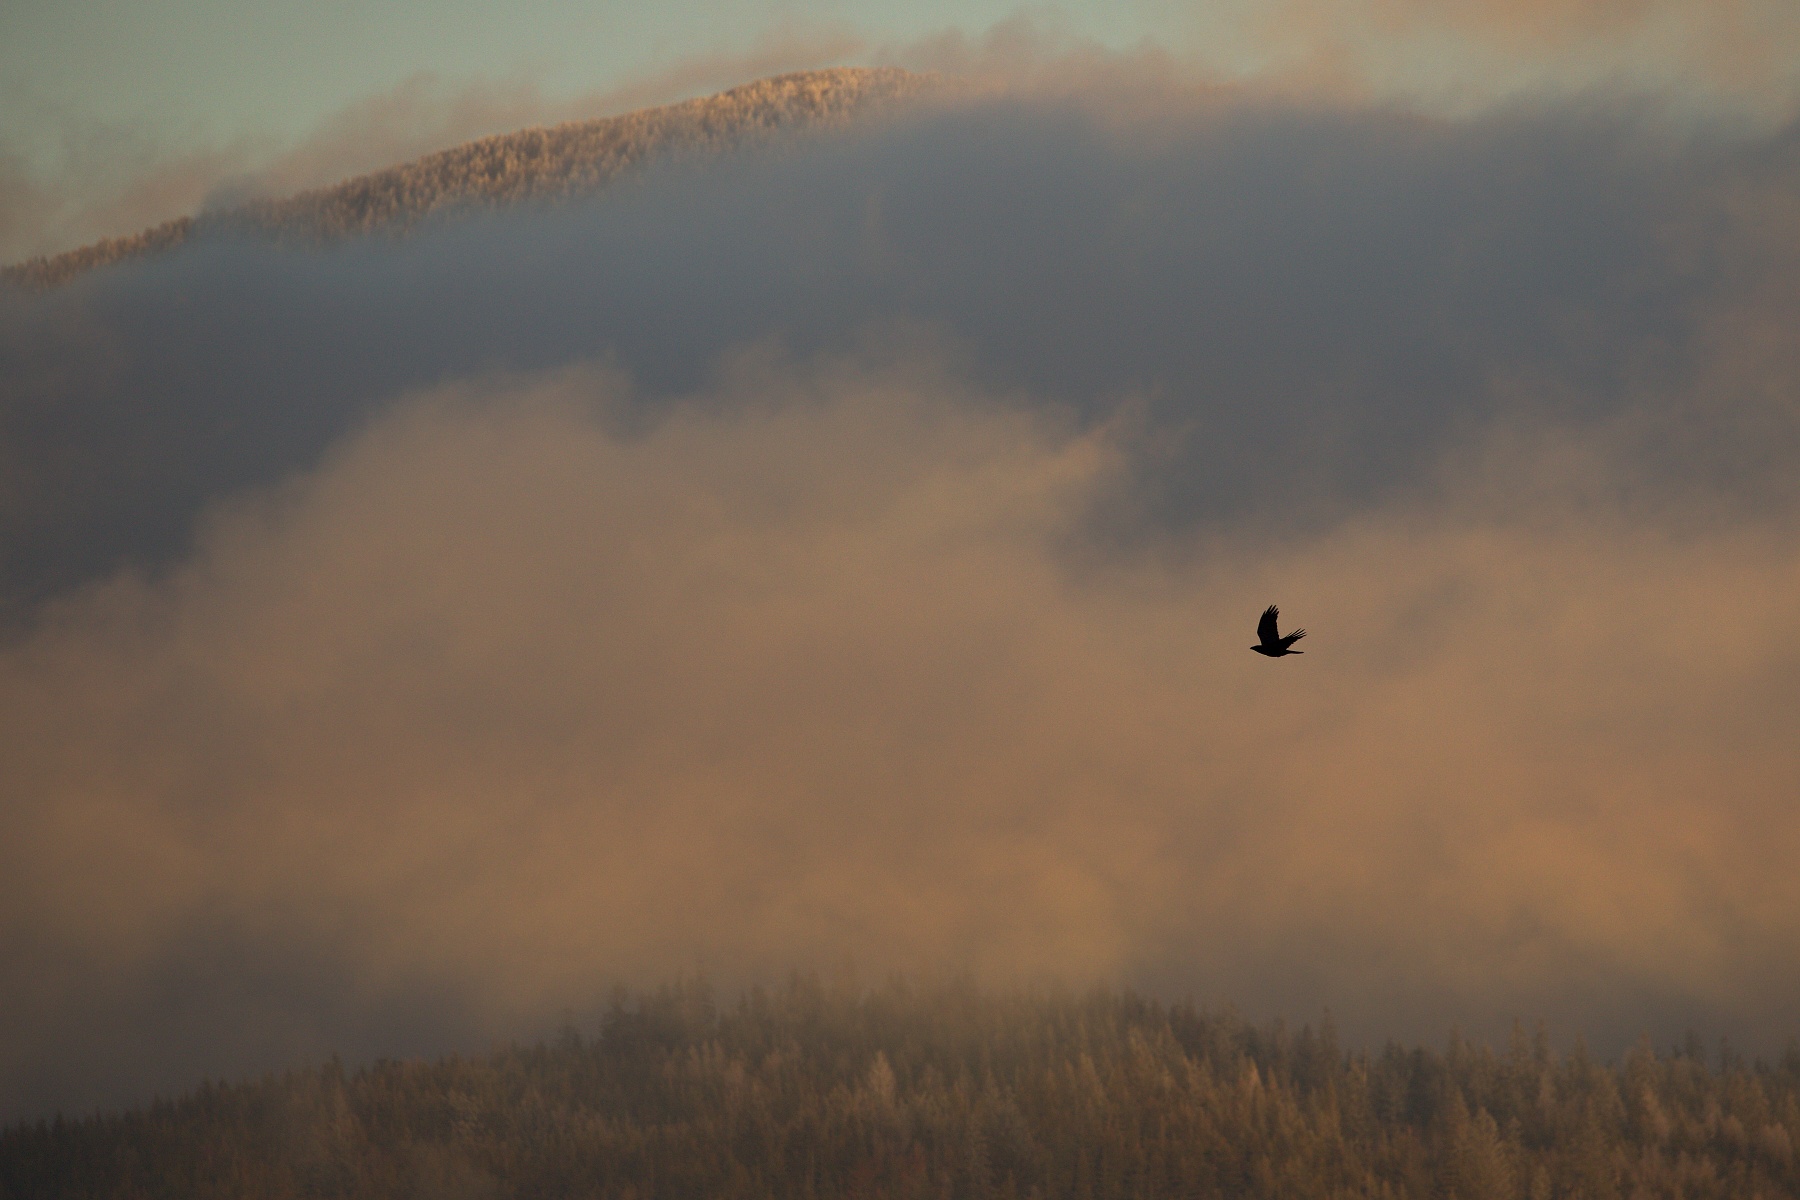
(824, 1090)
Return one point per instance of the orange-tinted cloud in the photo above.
(514, 698)
(370, 713)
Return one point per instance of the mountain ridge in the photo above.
(539, 162)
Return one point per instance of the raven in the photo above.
(1273, 644)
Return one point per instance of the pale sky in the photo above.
(190, 72)
(214, 69)
(116, 115)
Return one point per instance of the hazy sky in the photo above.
(851, 550)
(207, 68)
(117, 115)
(149, 105)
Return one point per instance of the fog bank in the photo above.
(851, 552)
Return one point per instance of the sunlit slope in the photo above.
(530, 164)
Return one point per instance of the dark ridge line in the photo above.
(543, 162)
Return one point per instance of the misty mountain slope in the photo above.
(864, 530)
(1376, 283)
(822, 1091)
(530, 164)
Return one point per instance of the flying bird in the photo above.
(1273, 644)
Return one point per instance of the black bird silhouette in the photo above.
(1273, 644)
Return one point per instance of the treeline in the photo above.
(568, 159)
(825, 1091)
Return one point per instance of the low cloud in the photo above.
(517, 696)
(850, 550)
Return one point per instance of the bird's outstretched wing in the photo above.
(1265, 628)
(1291, 638)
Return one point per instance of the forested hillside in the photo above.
(576, 157)
(816, 1091)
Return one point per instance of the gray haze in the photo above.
(850, 551)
